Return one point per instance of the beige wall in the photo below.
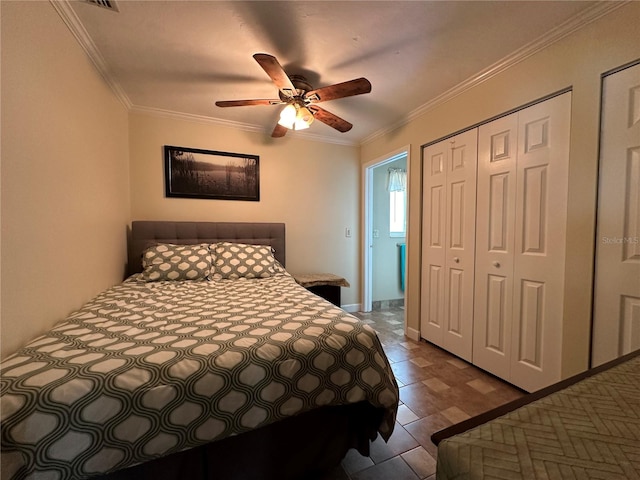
(312, 187)
(576, 61)
(65, 185)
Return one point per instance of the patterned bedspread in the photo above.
(148, 369)
(588, 430)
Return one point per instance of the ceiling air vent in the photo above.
(108, 4)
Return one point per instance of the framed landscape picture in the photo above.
(195, 173)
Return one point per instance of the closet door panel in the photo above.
(494, 335)
(497, 150)
(534, 210)
(540, 236)
(434, 242)
(455, 302)
(449, 185)
(460, 251)
(616, 323)
(532, 318)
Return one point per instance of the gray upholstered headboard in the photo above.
(147, 233)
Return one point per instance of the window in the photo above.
(397, 215)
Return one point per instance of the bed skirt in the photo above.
(300, 447)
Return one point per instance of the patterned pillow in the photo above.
(176, 262)
(240, 260)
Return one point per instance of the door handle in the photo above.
(456, 259)
(496, 264)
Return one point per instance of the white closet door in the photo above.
(449, 186)
(540, 236)
(434, 158)
(460, 225)
(616, 325)
(493, 309)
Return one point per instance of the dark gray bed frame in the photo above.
(146, 233)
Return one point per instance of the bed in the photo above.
(209, 361)
(587, 426)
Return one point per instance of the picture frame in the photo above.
(209, 174)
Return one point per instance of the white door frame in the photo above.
(367, 227)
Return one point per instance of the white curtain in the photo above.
(397, 180)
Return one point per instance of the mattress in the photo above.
(146, 369)
(590, 429)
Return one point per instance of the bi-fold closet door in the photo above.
(523, 173)
(493, 263)
(448, 219)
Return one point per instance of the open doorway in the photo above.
(386, 197)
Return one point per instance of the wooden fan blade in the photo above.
(330, 119)
(243, 103)
(270, 64)
(279, 131)
(339, 90)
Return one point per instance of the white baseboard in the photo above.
(355, 307)
(413, 334)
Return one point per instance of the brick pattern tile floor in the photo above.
(437, 389)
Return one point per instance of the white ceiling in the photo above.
(179, 57)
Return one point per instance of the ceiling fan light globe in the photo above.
(287, 124)
(288, 116)
(300, 125)
(304, 116)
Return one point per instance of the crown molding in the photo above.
(575, 23)
(326, 139)
(247, 127)
(189, 117)
(73, 23)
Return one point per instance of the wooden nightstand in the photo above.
(325, 285)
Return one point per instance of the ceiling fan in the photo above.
(301, 99)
